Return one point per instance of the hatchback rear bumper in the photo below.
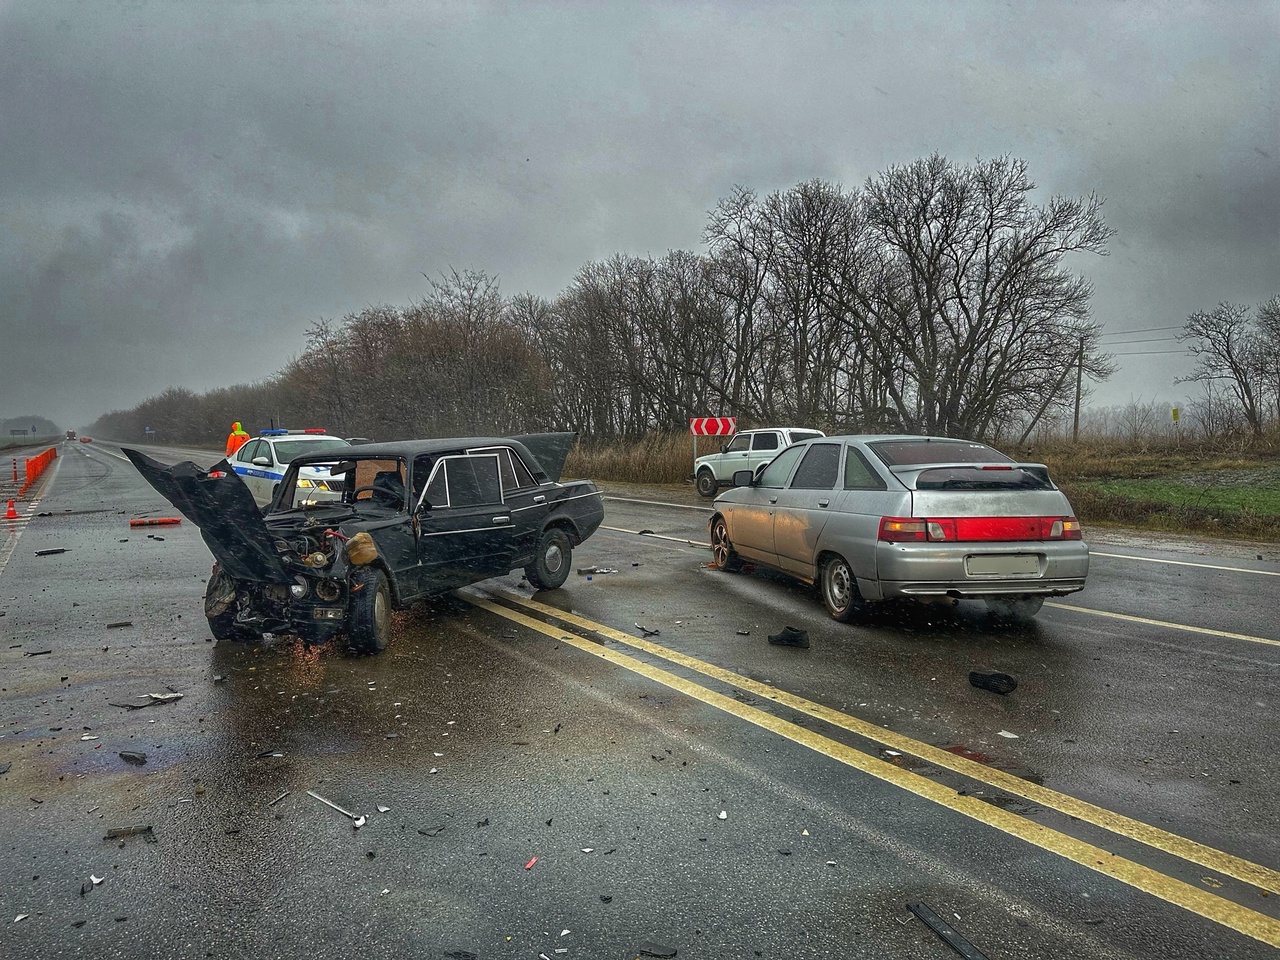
(1039, 568)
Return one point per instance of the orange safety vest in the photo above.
(236, 439)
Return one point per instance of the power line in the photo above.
(1122, 333)
(1148, 353)
(1123, 343)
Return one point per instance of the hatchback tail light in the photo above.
(977, 529)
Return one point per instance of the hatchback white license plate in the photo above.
(1002, 565)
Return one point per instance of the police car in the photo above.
(263, 459)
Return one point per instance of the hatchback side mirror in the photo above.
(743, 478)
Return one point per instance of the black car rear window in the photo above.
(983, 478)
(910, 453)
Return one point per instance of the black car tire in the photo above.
(722, 552)
(1015, 609)
(370, 626)
(220, 595)
(707, 484)
(551, 560)
(839, 588)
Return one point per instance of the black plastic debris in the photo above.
(4, 768)
(51, 551)
(950, 936)
(147, 699)
(431, 831)
(135, 757)
(790, 637)
(37, 653)
(651, 949)
(119, 623)
(136, 830)
(646, 632)
(605, 898)
(993, 680)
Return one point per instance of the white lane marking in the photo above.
(658, 503)
(1185, 563)
(1164, 623)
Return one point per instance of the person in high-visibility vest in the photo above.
(236, 439)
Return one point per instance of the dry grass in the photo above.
(658, 458)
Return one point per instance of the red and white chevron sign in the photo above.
(713, 426)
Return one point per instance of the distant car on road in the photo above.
(262, 460)
(86, 439)
(748, 450)
(408, 520)
(870, 518)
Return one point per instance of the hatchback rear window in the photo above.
(910, 453)
(983, 478)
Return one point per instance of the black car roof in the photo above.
(554, 447)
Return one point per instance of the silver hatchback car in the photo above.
(875, 517)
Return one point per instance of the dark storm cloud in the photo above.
(185, 186)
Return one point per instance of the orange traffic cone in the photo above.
(11, 514)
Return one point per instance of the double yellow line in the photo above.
(1228, 913)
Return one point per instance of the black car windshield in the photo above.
(909, 453)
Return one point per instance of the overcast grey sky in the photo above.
(186, 186)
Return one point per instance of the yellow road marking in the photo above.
(1163, 623)
(1235, 916)
(1205, 856)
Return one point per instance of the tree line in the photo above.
(935, 298)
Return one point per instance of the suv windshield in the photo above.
(288, 450)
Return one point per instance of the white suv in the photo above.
(746, 451)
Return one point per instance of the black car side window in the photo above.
(473, 481)
(765, 441)
(249, 451)
(858, 474)
(819, 468)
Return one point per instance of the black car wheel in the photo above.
(840, 589)
(707, 484)
(551, 560)
(370, 627)
(1015, 609)
(220, 607)
(726, 558)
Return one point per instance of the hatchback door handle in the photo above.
(539, 499)
(824, 503)
(773, 499)
(501, 519)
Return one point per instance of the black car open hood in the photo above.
(549, 449)
(223, 508)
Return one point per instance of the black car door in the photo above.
(464, 528)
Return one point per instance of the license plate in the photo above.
(1002, 565)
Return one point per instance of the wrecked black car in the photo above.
(353, 534)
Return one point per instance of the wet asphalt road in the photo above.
(491, 741)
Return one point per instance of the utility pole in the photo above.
(1075, 425)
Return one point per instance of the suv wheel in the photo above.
(707, 483)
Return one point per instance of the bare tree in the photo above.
(1230, 350)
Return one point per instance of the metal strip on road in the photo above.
(1186, 563)
(656, 536)
(1242, 919)
(1208, 631)
(660, 503)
